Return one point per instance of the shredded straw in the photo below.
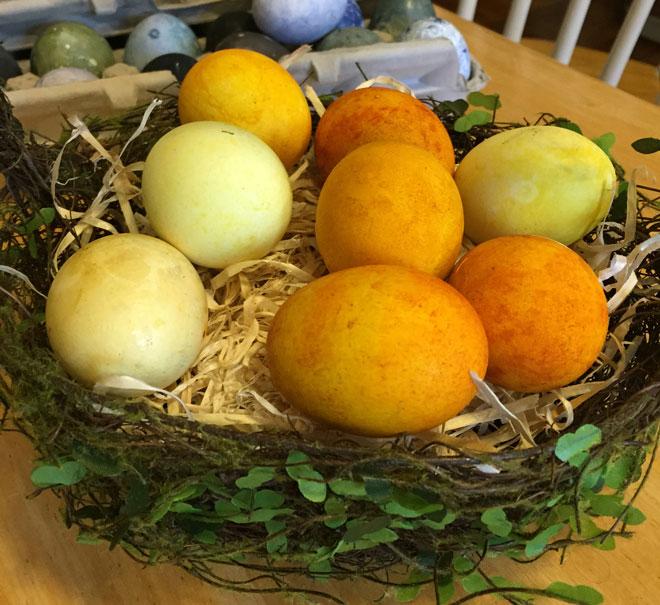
(229, 384)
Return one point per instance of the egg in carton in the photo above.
(429, 67)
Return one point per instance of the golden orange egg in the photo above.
(378, 114)
(377, 350)
(542, 306)
(393, 204)
(252, 91)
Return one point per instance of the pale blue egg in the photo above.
(157, 35)
(427, 29)
(296, 21)
(352, 16)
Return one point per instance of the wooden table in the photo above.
(42, 565)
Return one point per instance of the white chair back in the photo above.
(571, 28)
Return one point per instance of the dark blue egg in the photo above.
(8, 66)
(352, 16)
(254, 41)
(177, 63)
(229, 23)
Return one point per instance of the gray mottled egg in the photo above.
(157, 35)
(227, 24)
(65, 75)
(347, 37)
(257, 42)
(427, 29)
(394, 16)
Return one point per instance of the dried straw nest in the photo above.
(220, 471)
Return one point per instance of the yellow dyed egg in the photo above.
(390, 203)
(536, 180)
(542, 306)
(217, 193)
(377, 350)
(254, 92)
(127, 305)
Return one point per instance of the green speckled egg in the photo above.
(70, 44)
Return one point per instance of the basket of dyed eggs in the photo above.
(346, 360)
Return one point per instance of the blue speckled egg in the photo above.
(297, 22)
(65, 75)
(157, 35)
(427, 29)
(352, 16)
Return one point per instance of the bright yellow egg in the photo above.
(250, 90)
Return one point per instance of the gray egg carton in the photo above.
(22, 20)
(428, 67)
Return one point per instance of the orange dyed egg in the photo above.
(252, 91)
(392, 204)
(378, 114)
(543, 309)
(377, 350)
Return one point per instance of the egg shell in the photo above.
(430, 29)
(542, 306)
(377, 350)
(294, 22)
(255, 41)
(159, 34)
(176, 63)
(227, 24)
(375, 211)
(536, 180)
(352, 16)
(126, 305)
(70, 44)
(217, 193)
(65, 75)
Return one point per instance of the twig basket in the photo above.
(285, 501)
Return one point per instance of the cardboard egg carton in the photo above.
(44, 110)
(428, 67)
